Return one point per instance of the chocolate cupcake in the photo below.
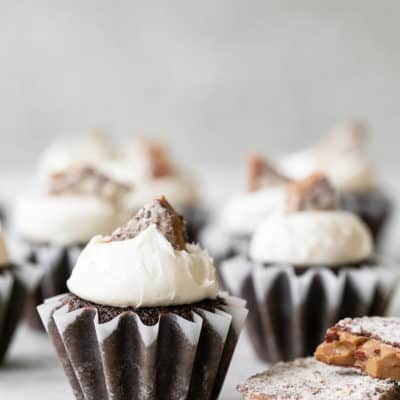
(144, 317)
(307, 268)
(341, 156)
(148, 167)
(239, 217)
(16, 282)
(54, 225)
(308, 379)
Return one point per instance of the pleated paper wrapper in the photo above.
(289, 313)
(54, 264)
(16, 284)
(124, 359)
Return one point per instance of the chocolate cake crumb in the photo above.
(148, 315)
(262, 174)
(160, 213)
(87, 180)
(312, 193)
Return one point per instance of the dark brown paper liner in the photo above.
(55, 264)
(14, 287)
(374, 208)
(290, 313)
(125, 359)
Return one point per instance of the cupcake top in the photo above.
(145, 263)
(4, 257)
(311, 231)
(265, 195)
(146, 164)
(91, 148)
(77, 204)
(341, 156)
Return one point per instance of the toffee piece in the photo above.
(160, 213)
(306, 379)
(262, 174)
(87, 180)
(312, 193)
(369, 343)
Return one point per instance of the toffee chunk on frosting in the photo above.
(86, 180)
(262, 174)
(312, 193)
(160, 213)
(306, 379)
(160, 162)
(369, 343)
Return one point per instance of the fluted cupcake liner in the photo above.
(54, 263)
(291, 311)
(15, 285)
(125, 359)
(374, 208)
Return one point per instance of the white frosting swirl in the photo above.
(92, 148)
(348, 171)
(244, 212)
(312, 238)
(4, 257)
(66, 219)
(145, 271)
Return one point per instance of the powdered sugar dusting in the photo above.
(307, 378)
(387, 330)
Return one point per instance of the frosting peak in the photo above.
(146, 263)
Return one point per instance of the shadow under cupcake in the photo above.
(306, 269)
(144, 317)
(52, 227)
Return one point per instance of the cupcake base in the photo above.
(124, 358)
(15, 284)
(374, 208)
(54, 264)
(291, 309)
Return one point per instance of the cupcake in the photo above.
(239, 217)
(16, 282)
(53, 225)
(90, 148)
(341, 156)
(148, 167)
(307, 268)
(144, 318)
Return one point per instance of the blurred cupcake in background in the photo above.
(307, 268)
(147, 165)
(52, 225)
(144, 318)
(342, 157)
(93, 147)
(230, 234)
(16, 282)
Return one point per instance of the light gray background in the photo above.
(215, 77)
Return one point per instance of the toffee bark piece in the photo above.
(262, 174)
(306, 379)
(160, 163)
(312, 193)
(369, 343)
(160, 213)
(86, 180)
